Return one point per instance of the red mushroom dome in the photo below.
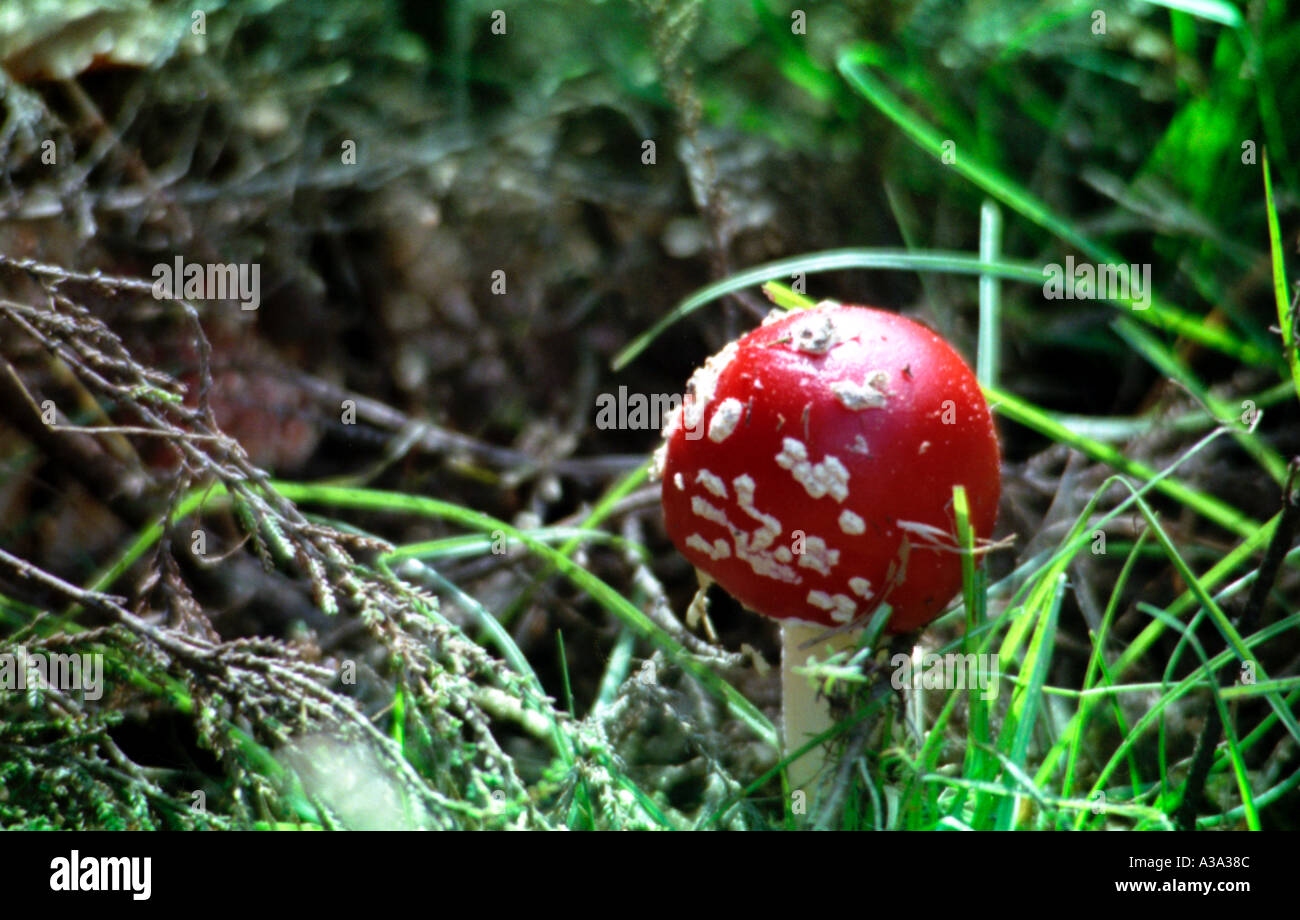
(810, 469)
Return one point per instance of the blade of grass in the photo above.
(1022, 716)
(990, 343)
(1073, 735)
(831, 260)
(1225, 14)
(975, 601)
(1286, 319)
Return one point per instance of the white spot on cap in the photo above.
(818, 479)
(762, 561)
(859, 445)
(851, 523)
(792, 452)
(776, 313)
(861, 587)
(724, 419)
(702, 508)
(814, 333)
(659, 461)
(718, 550)
(818, 557)
(679, 482)
(703, 384)
(925, 445)
(842, 607)
(711, 482)
(752, 548)
(870, 394)
(770, 527)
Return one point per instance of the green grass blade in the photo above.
(989, 358)
(1220, 11)
(1286, 320)
(827, 261)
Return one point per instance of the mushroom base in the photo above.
(804, 714)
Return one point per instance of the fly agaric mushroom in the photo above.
(810, 473)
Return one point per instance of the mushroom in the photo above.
(810, 472)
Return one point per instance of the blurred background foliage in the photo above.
(511, 138)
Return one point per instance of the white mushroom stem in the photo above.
(803, 714)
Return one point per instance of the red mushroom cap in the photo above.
(810, 469)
